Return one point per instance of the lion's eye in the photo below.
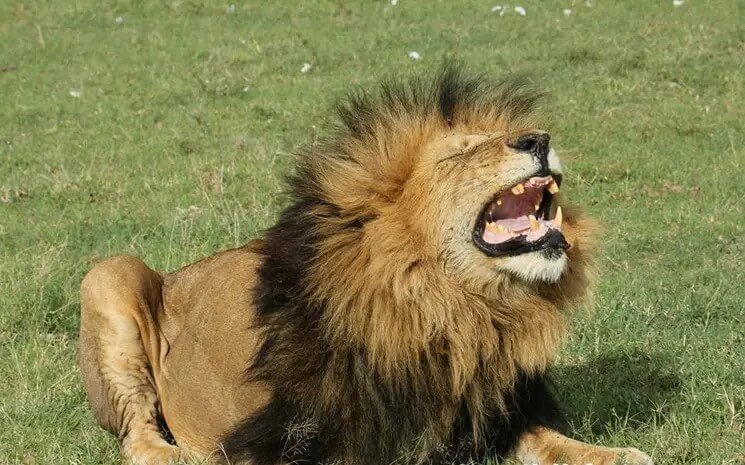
(464, 142)
(530, 142)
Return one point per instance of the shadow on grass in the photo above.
(634, 389)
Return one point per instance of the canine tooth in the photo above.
(558, 218)
(534, 224)
(519, 189)
(499, 202)
(553, 187)
(537, 206)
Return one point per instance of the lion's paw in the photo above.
(151, 453)
(632, 456)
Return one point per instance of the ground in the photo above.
(163, 129)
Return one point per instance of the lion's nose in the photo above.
(536, 144)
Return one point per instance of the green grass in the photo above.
(187, 118)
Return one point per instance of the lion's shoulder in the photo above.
(221, 284)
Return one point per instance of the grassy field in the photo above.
(163, 129)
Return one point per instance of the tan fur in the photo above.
(408, 286)
(174, 346)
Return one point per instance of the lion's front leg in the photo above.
(119, 350)
(543, 446)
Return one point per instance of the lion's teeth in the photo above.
(499, 202)
(492, 227)
(553, 187)
(496, 228)
(537, 206)
(519, 189)
(534, 224)
(558, 219)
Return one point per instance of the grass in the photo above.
(186, 116)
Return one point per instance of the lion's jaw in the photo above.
(536, 266)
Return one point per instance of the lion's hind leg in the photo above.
(118, 349)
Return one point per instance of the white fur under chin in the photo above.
(534, 266)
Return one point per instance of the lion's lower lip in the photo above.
(553, 239)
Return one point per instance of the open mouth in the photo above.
(522, 219)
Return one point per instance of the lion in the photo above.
(404, 308)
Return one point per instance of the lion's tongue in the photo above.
(518, 209)
(516, 227)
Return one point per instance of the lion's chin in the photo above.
(540, 266)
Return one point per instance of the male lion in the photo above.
(403, 309)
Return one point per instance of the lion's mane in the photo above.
(372, 353)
